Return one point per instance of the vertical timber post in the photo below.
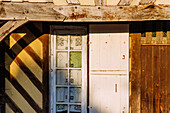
(2, 78)
(135, 73)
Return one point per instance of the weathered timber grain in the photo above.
(45, 40)
(143, 79)
(162, 78)
(149, 80)
(50, 12)
(135, 73)
(156, 78)
(125, 2)
(168, 79)
(9, 27)
(142, 2)
(114, 13)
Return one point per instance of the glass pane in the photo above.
(75, 43)
(62, 59)
(75, 59)
(75, 77)
(62, 42)
(75, 109)
(61, 108)
(61, 77)
(61, 95)
(75, 95)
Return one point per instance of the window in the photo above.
(68, 73)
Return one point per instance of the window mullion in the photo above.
(68, 93)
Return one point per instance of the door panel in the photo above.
(105, 94)
(108, 68)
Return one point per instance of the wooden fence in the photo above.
(150, 69)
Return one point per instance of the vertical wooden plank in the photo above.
(45, 41)
(152, 77)
(162, 78)
(149, 79)
(156, 72)
(148, 37)
(159, 36)
(135, 73)
(2, 78)
(168, 79)
(143, 79)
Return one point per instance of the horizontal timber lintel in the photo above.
(52, 13)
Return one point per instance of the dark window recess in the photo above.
(164, 34)
(143, 34)
(153, 34)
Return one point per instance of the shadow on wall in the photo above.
(23, 70)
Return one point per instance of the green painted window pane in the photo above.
(75, 59)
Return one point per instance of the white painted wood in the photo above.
(124, 49)
(37, 1)
(87, 2)
(60, 2)
(52, 75)
(103, 97)
(73, 2)
(71, 96)
(112, 2)
(162, 2)
(108, 72)
(108, 49)
(103, 49)
(16, 0)
(135, 2)
(84, 73)
(124, 100)
(108, 66)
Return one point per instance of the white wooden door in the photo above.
(68, 70)
(108, 68)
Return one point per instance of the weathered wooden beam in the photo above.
(51, 12)
(29, 11)
(9, 27)
(114, 13)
